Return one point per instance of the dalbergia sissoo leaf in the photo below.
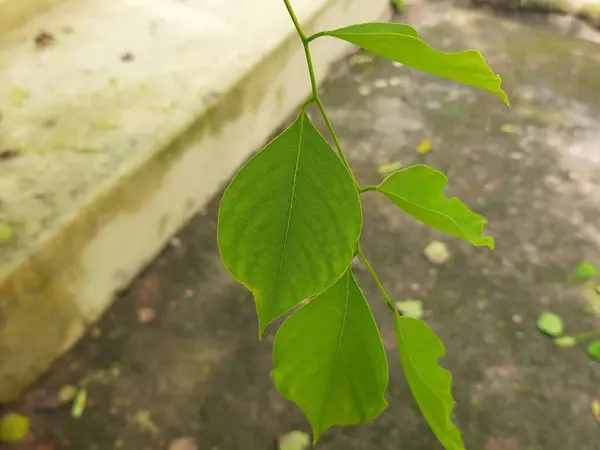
(401, 43)
(289, 220)
(419, 350)
(329, 358)
(418, 190)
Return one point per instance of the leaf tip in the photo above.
(501, 92)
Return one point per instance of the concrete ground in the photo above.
(197, 369)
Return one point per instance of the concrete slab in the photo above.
(117, 129)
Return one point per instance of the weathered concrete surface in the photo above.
(116, 127)
(588, 10)
(14, 13)
(198, 368)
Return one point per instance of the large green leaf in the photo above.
(289, 220)
(418, 190)
(401, 43)
(330, 360)
(419, 350)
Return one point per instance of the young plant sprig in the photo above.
(289, 227)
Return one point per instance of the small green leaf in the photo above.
(384, 169)
(585, 271)
(401, 43)
(6, 232)
(430, 384)
(13, 428)
(410, 308)
(329, 359)
(550, 324)
(424, 147)
(19, 96)
(593, 349)
(418, 190)
(565, 341)
(79, 404)
(289, 220)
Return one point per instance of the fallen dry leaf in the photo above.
(183, 443)
(145, 315)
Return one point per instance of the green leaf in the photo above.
(289, 220)
(565, 341)
(13, 428)
(79, 404)
(585, 270)
(401, 43)
(329, 359)
(550, 324)
(430, 384)
(593, 349)
(418, 190)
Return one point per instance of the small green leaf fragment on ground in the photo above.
(401, 43)
(593, 349)
(143, 419)
(419, 350)
(6, 232)
(424, 147)
(294, 440)
(596, 409)
(79, 404)
(419, 191)
(289, 221)
(329, 359)
(106, 125)
(550, 324)
(585, 271)
(565, 341)
(410, 308)
(19, 96)
(437, 252)
(509, 129)
(384, 169)
(13, 428)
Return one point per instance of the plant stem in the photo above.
(314, 36)
(367, 189)
(387, 298)
(313, 84)
(585, 336)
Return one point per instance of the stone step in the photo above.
(118, 124)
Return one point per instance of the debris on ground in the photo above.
(13, 428)
(437, 252)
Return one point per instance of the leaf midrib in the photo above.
(287, 227)
(388, 193)
(337, 353)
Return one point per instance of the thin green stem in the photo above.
(292, 14)
(585, 336)
(367, 189)
(313, 84)
(312, 37)
(387, 298)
